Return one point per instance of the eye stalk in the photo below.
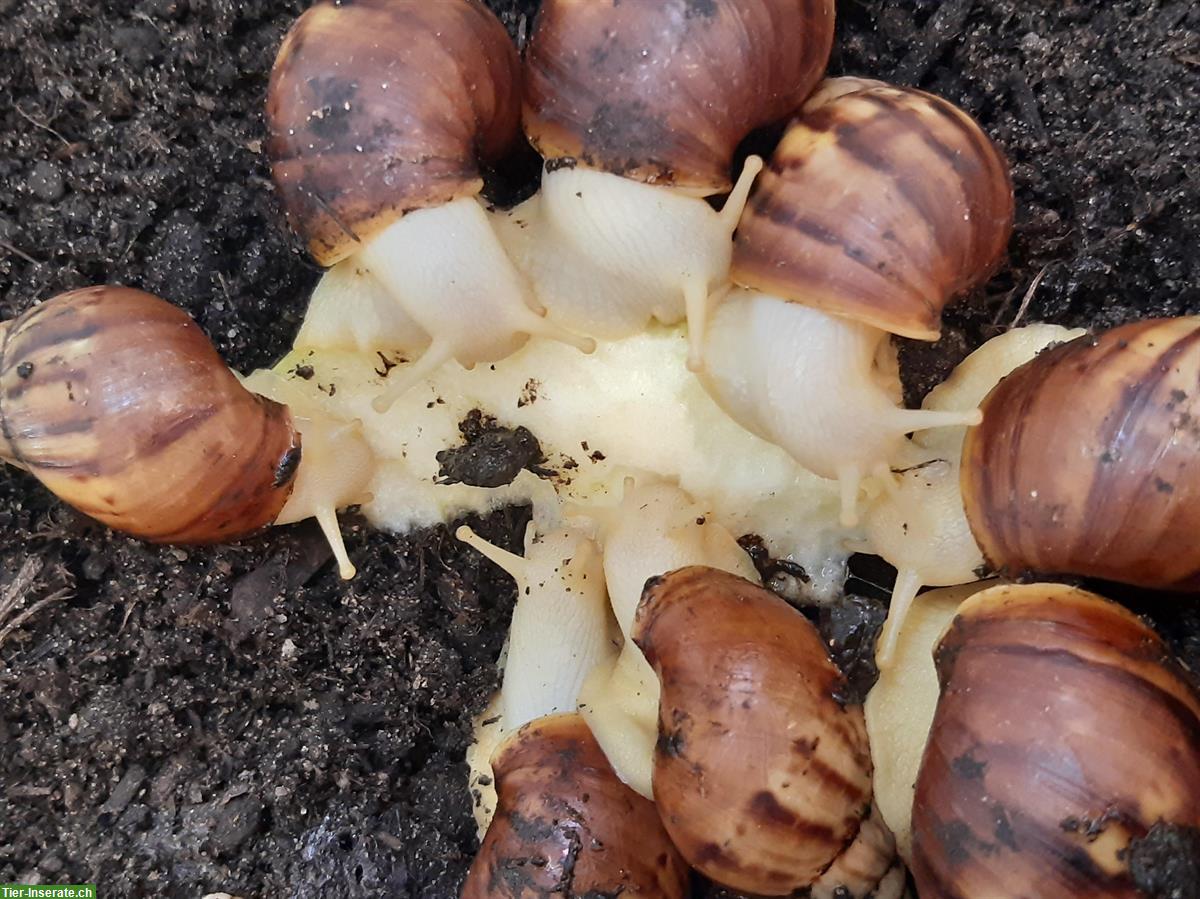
(381, 113)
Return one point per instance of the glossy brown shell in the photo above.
(1088, 460)
(881, 204)
(118, 403)
(664, 90)
(566, 826)
(1064, 732)
(761, 774)
(379, 107)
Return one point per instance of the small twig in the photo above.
(36, 124)
(14, 594)
(31, 611)
(1028, 298)
(5, 245)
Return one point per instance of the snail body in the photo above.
(561, 624)
(1086, 462)
(899, 707)
(380, 114)
(655, 529)
(879, 205)
(562, 819)
(566, 824)
(1063, 734)
(813, 384)
(118, 403)
(339, 463)
(638, 108)
(919, 525)
(761, 774)
(607, 254)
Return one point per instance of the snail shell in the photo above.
(118, 403)
(379, 107)
(881, 203)
(761, 774)
(1088, 460)
(663, 91)
(1064, 732)
(565, 825)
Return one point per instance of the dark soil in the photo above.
(176, 722)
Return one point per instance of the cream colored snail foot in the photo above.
(606, 254)
(899, 708)
(921, 528)
(350, 310)
(445, 267)
(561, 623)
(809, 382)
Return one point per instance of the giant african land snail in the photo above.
(381, 113)
(920, 525)
(762, 772)
(1064, 734)
(656, 528)
(563, 818)
(879, 205)
(638, 108)
(119, 404)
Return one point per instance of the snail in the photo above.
(380, 113)
(879, 205)
(562, 817)
(899, 708)
(920, 525)
(1064, 733)
(1087, 460)
(761, 774)
(656, 528)
(118, 403)
(638, 108)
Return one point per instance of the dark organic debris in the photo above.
(492, 456)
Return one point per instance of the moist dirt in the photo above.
(176, 722)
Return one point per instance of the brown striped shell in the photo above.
(118, 403)
(566, 826)
(1088, 460)
(664, 90)
(881, 204)
(379, 107)
(1063, 735)
(762, 773)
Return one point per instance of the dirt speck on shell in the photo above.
(177, 722)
